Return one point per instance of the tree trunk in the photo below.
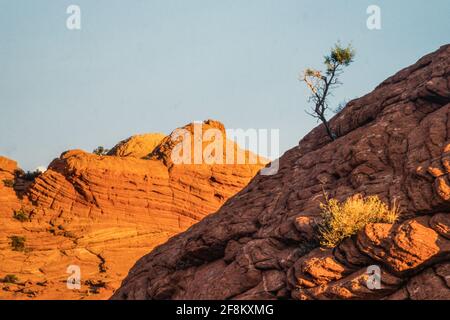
(327, 127)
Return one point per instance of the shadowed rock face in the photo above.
(262, 244)
(102, 213)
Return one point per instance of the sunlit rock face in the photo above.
(262, 243)
(103, 212)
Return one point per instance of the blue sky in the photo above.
(150, 66)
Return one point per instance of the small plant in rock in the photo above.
(69, 234)
(28, 176)
(17, 243)
(100, 151)
(10, 278)
(95, 286)
(322, 83)
(31, 175)
(343, 220)
(22, 215)
(8, 183)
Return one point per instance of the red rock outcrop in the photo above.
(138, 146)
(7, 176)
(102, 213)
(262, 244)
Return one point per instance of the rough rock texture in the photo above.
(262, 244)
(138, 146)
(102, 213)
(7, 176)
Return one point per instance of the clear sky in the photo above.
(141, 66)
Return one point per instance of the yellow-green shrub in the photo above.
(342, 220)
(21, 215)
(10, 278)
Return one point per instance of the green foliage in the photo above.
(22, 215)
(339, 56)
(100, 151)
(18, 243)
(8, 183)
(31, 175)
(342, 220)
(10, 278)
(321, 84)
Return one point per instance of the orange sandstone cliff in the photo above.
(263, 243)
(102, 213)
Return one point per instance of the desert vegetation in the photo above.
(28, 176)
(10, 278)
(22, 215)
(100, 151)
(8, 183)
(18, 243)
(322, 83)
(342, 220)
(95, 286)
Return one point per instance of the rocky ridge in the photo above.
(263, 243)
(102, 213)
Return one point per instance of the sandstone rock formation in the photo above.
(262, 244)
(102, 213)
(138, 146)
(7, 176)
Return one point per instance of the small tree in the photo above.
(10, 278)
(31, 175)
(17, 243)
(100, 151)
(321, 83)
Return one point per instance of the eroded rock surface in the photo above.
(102, 213)
(262, 244)
(138, 146)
